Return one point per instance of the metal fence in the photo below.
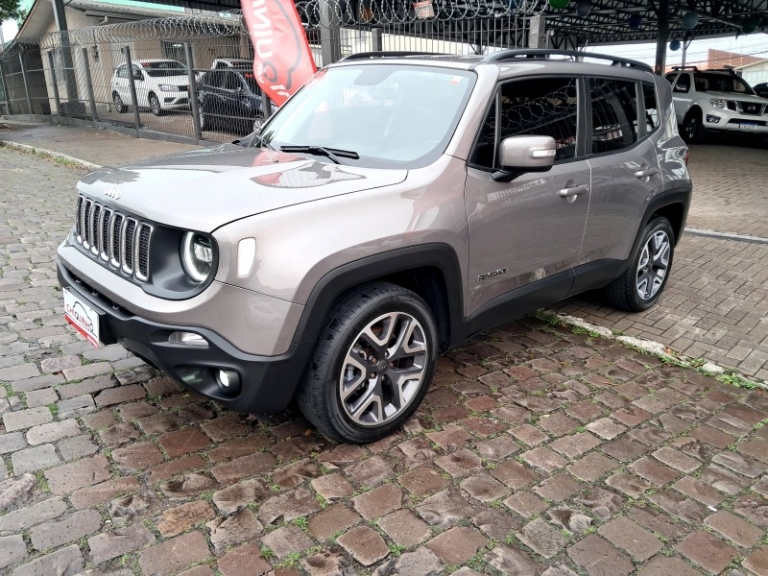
(191, 76)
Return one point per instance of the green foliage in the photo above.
(10, 10)
(737, 380)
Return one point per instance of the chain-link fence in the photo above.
(191, 76)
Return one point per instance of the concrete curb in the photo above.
(726, 236)
(649, 347)
(49, 154)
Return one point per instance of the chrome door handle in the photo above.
(575, 191)
(646, 172)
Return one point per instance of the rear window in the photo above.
(164, 69)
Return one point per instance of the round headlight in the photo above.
(196, 256)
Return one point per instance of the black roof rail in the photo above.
(391, 54)
(694, 68)
(504, 55)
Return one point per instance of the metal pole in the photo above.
(89, 84)
(266, 105)
(132, 85)
(54, 81)
(68, 72)
(330, 37)
(377, 40)
(24, 78)
(192, 92)
(663, 36)
(5, 90)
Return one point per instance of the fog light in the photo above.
(187, 339)
(712, 119)
(228, 381)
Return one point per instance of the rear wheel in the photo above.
(372, 366)
(641, 285)
(693, 128)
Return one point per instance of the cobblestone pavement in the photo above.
(537, 451)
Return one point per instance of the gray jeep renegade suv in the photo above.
(396, 205)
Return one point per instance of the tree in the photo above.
(10, 10)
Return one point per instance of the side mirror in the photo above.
(520, 154)
(138, 76)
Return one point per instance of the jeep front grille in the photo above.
(115, 239)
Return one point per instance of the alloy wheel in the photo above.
(154, 104)
(653, 265)
(383, 369)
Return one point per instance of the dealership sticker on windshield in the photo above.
(84, 318)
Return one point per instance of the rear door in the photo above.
(529, 230)
(623, 127)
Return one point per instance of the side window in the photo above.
(651, 107)
(671, 77)
(214, 79)
(683, 83)
(232, 82)
(541, 107)
(614, 114)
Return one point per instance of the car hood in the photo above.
(182, 80)
(738, 97)
(203, 190)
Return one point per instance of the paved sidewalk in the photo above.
(730, 186)
(538, 451)
(102, 147)
(715, 305)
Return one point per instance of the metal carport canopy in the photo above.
(607, 21)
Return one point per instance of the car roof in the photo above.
(510, 63)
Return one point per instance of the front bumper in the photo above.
(268, 382)
(730, 121)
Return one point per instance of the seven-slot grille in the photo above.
(115, 239)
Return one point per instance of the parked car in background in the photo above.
(230, 98)
(761, 89)
(242, 63)
(393, 207)
(715, 101)
(161, 85)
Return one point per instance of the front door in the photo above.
(531, 228)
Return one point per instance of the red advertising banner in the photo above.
(282, 59)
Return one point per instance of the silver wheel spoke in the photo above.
(384, 369)
(653, 264)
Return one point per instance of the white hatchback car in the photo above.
(160, 85)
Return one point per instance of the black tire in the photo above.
(202, 118)
(319, 397)
(624, 292)
(154, 104)
(120, 107)
(693, 130)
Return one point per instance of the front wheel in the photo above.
(154, 105)
(372, 366)
(641, 285)
(120, 107)
(693, 128)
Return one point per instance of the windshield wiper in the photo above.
(333, 153)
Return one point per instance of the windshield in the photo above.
(164, 69)
(390, 115)
(721, 83)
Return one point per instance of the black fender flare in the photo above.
(339, 280)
